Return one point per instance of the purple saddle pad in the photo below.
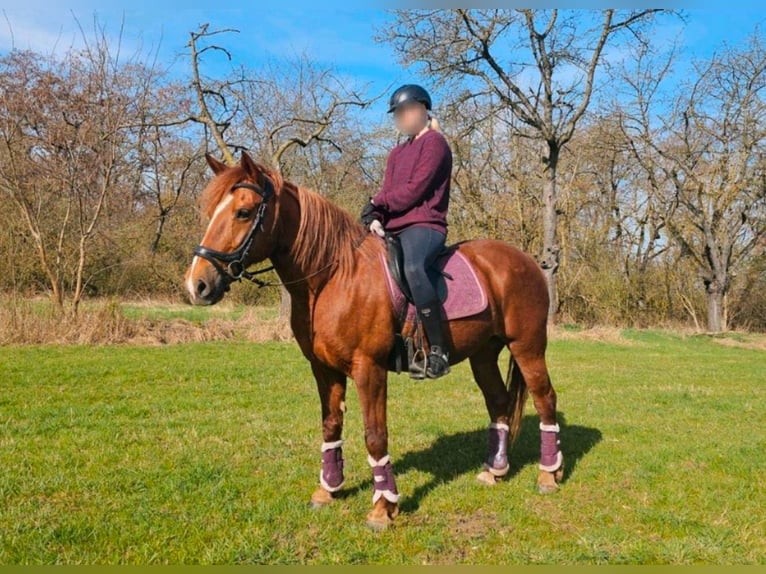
(464, 296)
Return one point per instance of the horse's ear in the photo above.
(258, 172)
(249, 165)
(215, 165)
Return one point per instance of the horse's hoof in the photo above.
(379, 524)
(320, 498)
(382, 515)
(547, 488)
(486, 477)
(547, 482)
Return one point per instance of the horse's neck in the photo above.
(296, 279)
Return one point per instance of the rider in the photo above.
(412, 204)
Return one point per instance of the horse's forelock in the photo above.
(217, 189)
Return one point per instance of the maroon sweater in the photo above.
(416, 185)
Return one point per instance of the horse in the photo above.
(342, 319)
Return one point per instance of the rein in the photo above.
(235, 269)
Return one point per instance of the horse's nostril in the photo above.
(201, 287)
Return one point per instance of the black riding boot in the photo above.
(438, 358)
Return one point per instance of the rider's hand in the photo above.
(376, 227)
(368, 213)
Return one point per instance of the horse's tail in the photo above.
(517, 389)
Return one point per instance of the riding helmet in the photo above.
(409, 93)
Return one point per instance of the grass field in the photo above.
(208, 453)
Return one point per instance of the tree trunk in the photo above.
(54, 277)
(158, 231)
(715, 297)
(79, 286)
(284, 304)
(549, 260)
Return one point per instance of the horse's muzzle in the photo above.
(205, 290)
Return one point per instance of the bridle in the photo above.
(235, 260)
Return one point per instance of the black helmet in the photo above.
(409, 93)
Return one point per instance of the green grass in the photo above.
(208, 453)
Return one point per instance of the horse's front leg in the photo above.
(331, 385)
(371, 381)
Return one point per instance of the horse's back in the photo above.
(514, 280)
(501, 255)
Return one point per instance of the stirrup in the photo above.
(438, 363)
(418, 365)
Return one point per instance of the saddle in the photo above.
(459, 290)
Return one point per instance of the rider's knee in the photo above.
(414, 272)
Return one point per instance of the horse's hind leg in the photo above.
(487, 375)
(530, 359)
(332, 393)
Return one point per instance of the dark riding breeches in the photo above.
(420, 246)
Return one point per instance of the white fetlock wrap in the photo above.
(556, 466)
(498, 472)
(382, 462)
(327, 487)
(325, 447)
(559, 456)
(392, 497)
(330, 445)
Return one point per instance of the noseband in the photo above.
(235, 260)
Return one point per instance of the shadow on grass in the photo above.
(454, 455)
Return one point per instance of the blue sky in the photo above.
(330, 33)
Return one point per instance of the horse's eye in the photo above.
(243, 214)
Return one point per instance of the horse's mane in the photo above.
(326, 233)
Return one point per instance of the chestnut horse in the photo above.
(343, 320)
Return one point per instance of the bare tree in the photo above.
(541, 65)
(709, 157)
(62, 158)
(167, 177)
(493, 196)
